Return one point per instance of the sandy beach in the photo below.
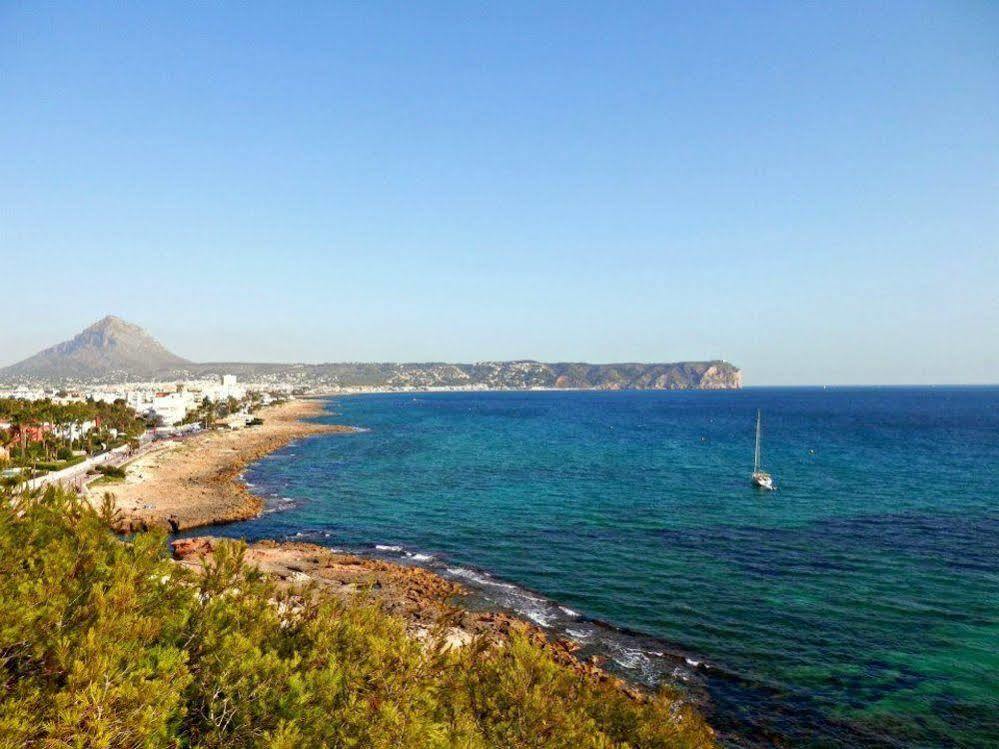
(194, 482)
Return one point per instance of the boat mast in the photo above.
(756, 457)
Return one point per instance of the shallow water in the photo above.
(857, 605)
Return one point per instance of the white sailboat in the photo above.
(760, 478)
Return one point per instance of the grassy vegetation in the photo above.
(58, 465)
(107, 479)
(108, 643)
(111, 472)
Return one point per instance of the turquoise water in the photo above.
(857, 605)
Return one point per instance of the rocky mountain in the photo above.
(113, 350)
(107, 349)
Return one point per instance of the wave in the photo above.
(311, 535)
(482, 578)
(640, 658)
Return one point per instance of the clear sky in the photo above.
(809, 190)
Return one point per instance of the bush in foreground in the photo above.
(111, 472)
(108, 643)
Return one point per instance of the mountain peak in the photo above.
(111, 346)
(110, 321)
(115, 326)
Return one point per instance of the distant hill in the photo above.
(113, 350)
(109, 348)
(517, 375)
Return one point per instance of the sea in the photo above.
(857, 605)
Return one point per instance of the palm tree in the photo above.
(20, 420)
(6, 440)
(209, 409)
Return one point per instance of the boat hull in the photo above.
(763, 481)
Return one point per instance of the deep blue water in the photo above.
(857, 605)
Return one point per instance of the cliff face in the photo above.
(712, 375)
(722, 376)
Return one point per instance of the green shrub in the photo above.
(108, 643)
(58, 465)
(112, 472)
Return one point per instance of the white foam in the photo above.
(538, 617)
(387, 547)
(567, 611)
(692, 662)
(479, 577)
(631, 658)
(421, 557)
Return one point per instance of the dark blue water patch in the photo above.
(957, 541)
(856, 606)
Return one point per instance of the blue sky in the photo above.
(809, 190)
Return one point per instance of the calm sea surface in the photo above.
(857, 605)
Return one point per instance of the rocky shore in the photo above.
(425, 601)
(194, 482)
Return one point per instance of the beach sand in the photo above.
(194, 482)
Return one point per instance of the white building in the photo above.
(74, 431)
(172, 407)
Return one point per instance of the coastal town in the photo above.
(76, 412)
(73, 435)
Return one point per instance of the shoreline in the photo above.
(424, 600)
(194, 482)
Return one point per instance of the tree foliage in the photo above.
(23, 414)
(115, 415)
(108, 643)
